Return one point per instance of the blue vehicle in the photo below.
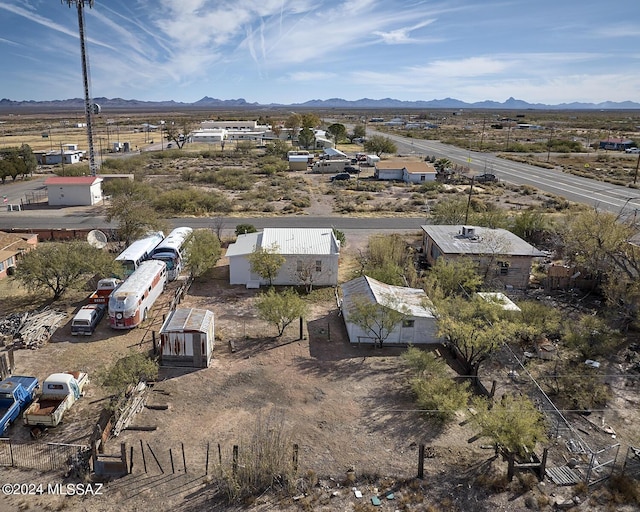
(16, 393)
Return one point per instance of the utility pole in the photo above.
(88, 107)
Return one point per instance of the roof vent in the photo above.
(468, 232)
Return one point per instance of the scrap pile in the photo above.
(30, 329)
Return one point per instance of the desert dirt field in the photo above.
(347, 408)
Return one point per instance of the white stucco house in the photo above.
(419, 326)
(311, 257)
(74, 190)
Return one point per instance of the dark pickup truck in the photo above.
(485, 178)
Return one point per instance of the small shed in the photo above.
(186, 338)
(74, 190)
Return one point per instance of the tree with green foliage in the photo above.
(389, 259)
(377, 320)
(359, 132)
(202, 252)
(135, 217)
(513, 423)
(310, 120)
(449, 211)
(306, 138)
(278, 148)
(178, 130)
(280, 308)
(12, 162)
(436, 392)
(473, 329)
(448, 278)
(29, 159)
(537, 320)
(266, 262)
(57, 266)
(293, 124)
(243, 229)
(338, 131)
(592, 337)
(530, 225)
(598, 242)
(379, 144)
(441, 164)
(128, 371)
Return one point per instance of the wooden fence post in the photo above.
(235, 460)
(421, 461)
(144, 460)
(206, 464)
(184, 460)
(173, 470)
(131, 459)
(511, 466)
(295, 458)
(155, 458)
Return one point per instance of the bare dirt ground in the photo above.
(347, 408)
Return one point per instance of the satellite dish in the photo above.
(95, 108)
(97, 239)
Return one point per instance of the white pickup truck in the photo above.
(59, 392)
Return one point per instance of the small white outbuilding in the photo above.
(74, 190)
(187, 338)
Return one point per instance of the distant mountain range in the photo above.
(364, 103)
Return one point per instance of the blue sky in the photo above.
(289, 51)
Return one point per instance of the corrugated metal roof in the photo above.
(450, 240)
(72, 180)
(319, 241)
(500, 299)
(188, 320)
(395, 297)
(244, 244)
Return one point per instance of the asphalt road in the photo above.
(613, 198)
(606, 196)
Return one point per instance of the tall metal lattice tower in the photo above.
(89, 108)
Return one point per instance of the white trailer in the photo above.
(372, 160)
(330, 166)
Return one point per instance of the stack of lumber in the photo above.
(31, 329)
(133, 405)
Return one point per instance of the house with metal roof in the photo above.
(419, 325)
(311, 257)
(502, 258)
(74, 190)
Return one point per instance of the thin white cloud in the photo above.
(402, 35)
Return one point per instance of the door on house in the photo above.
(407, 331)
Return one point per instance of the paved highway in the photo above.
(606, 196)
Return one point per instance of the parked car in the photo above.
(341, 176)
(485, 178)
(87, 319)
(351, 169)
(632, 150)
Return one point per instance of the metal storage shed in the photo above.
(186, 338)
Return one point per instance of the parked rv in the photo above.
(372, 160)
(330, 166)
(87, 319)
(59, 392)
(130, 304)
(16, 393)
(171, 251)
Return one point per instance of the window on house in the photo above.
(299, 266)
(503, 267)
(408, 324)
(1, 266)
(318, 265)
(422, 177)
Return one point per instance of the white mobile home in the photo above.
(187, 338)
(418, 326)
(311, 257)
